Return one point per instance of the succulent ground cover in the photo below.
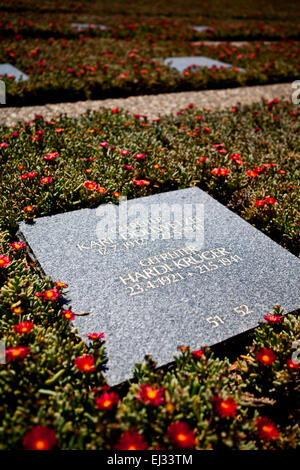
(66, 65)
(53, 394)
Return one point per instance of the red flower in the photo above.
(197, 354)
(4, 261)
(128, 167)
(103, 144)
(50, 294)
(46, 180)
(292, 365)
(18, 352)
(99, 189)
(131, 440)
(260, 203)
(95, 336)
(107, 401)
(181, 435)
(23, 327)
(139, 155)
(17, 245)
(50, 156)
(114, 110)
(273, 318)
(90, 185)
(265, 356)
(124, 152)
(151, 395)
(251, 173)
(61, 285)
(40, 438)
(225, 408)
(270, 200)
(201, 160)
(220, 171)
(68, 314)
(28, 208)
(141, 182)
(266, 429)
(85, 363)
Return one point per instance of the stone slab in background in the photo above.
(150, 296)
(8, 69)
(201, 29)
(83, 26)
(182, 63)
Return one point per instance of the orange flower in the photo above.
(40, 438)
(28, 208)
(181, 435)
(266, 429)
(61, 285)
(265, 356)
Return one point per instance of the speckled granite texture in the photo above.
(149, 298)
(152, 105)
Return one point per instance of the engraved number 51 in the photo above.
(215, 320)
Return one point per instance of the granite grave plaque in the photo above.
(190, 273)
(182, 63)
(8, 69)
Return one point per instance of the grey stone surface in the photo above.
(181, 63)
(83, 26)
(146, 295)
(8, 69)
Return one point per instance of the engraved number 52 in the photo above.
(243, 310)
